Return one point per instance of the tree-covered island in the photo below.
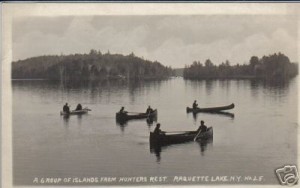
(98, 66)
(275, 66)
(92, 66)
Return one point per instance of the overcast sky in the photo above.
(172, 40)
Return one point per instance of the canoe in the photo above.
(168, 139)
(211, 109)
(75, 112)
(126, 116)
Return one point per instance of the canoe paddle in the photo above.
(197, 135)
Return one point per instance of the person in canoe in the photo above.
(195, 105)
(202, 127)
(66, 108)
(157, 130)
(122, 111)
(149, 110)
(79, 107)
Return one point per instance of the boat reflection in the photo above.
(151, 121)
(226, 114)
(66, 119)
(203, 145)
(79, 118)
(157, 148)
(123, 124)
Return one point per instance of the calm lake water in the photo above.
(260, 137)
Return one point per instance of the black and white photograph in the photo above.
(150, 94)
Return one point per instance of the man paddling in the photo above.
(66, 108)
(79, 107)
(202, 127)
(122, 111)
(195, 105)
(149, 110)
(157, 130)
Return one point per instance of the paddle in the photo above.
(195, 138)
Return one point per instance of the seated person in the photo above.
(157, 130)
(66, 108)
(79, 107)
(149, 110)
(195, 105)
(122, 111)
(202, 127)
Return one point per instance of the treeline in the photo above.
(92, 66)
(275, 66)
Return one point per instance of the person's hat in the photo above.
(158, 124)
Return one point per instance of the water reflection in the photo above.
(255, 84)
(270, 84)
(123, 123)
(66, 120)
(157, 149)
(135, 87)
(225, 84)
(224, 114)
(203, 145)
(195, 84)
(277, 88)
(93, 89)
(209, 86)
(79, 118)
(151, 121)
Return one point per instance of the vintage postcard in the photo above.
(150, 94)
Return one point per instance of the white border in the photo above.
(11, 11)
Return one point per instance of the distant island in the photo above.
(98, 66)
(92, 66)
(276, 66)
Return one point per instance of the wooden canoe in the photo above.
(211, 109)
(168, 139)
(75, 112)
(126, 116)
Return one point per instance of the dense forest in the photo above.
(92, 66)
(275, 66)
